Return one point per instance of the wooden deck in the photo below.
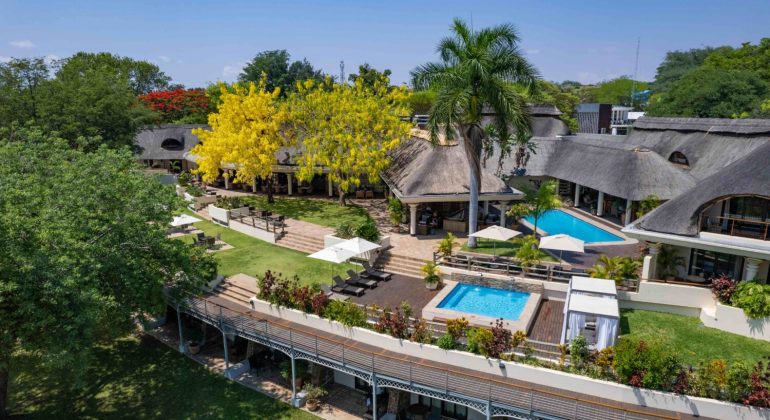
(399, 289)
(548, 322)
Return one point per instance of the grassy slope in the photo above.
(503, 248)
(692, 340)
(320, 212)
(138, 378)
(253, 257)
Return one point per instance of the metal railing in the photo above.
(268, 224)
(484, 393)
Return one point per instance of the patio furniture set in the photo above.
(202, 240)
(262, 219)
(356, 283)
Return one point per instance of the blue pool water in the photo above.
(486, 301)
(554, 222)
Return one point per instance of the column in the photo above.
(254, 185)
(577, 195)
(227, 353)
(503, 209)
(600, 204)
(331, 186)
(182, 345)
(227, 182)
(629, 205)
(289, 177)
(486, 208)
(651, 271)
(750, 268)
(293, 381)
(374, 397)
(413, 218)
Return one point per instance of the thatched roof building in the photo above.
(420, 172)
(166, 142)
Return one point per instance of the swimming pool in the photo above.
(485, 301)
(556, 221)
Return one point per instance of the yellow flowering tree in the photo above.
(347, 129)
(245, 134)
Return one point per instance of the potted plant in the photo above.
(396, 212)
(516, 212)
(668, 261)
(313, 394)
(194, 340)
(446, 245)
(432, 275)
(528, 253)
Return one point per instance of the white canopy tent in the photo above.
(184, 220)
(496, 233)
(333, 254)
(591, 299)
(357, 245)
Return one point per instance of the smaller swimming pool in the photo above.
(554, 222)
(485, 301)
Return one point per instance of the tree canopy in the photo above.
(280, 72)
(676, 64)
(84, 248)
(179, 106)
(369, 75)
(615, 91)
(143, 77)
(245, 132)
(348, 129)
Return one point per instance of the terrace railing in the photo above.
(269, 224)
(489, 395)
(736, 226)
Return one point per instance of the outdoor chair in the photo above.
(371, 272)
(369, 194)
(201, 236)
(356, 279)
(341, 287)
(332, 295)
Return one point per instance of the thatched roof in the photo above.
(709, 144)
(618, 169)
(419, 169)
(150, 141)
(749, 175)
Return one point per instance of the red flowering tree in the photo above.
(179, 105)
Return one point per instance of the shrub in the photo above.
(711, 379)
(184, 179)
(759, 391)
(194, 191)
(578, 351)
(456, 327)
(647, 205)
(642, 364)
(265, 285)
(347, 313)
(313, 392)
(318, 303)
(394, 323)
(421, 333)
(738, 382)
(396, 210)
(723, 287)
(431, 272)
(446, 342)
(528, 254)
(753, 298)
(518, 338)
(345, 231)
(301, 298)
(501, 339)
(368, 230)
(446, 245)
(615, 268)
(479, 341)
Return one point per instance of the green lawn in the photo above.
(137, 378)
(320, 212)
(253, 257)
(692, 340)
(503, 248)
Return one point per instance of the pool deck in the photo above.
(432, 312)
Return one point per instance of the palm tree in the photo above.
(477, 74)
(538, 201)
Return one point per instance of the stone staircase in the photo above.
(299, 242)
(237, 288)
(400, 264)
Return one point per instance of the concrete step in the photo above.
(233, 291)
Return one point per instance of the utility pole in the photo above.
(636, 70)
(342, 72)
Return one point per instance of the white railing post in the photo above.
(182, 346)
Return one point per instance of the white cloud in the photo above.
(22, 44)
(230, 71)
(50, 58)
(532, 51)
(164, 58)
(4, 59)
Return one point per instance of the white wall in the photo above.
(219, 215)
(539, 376)
(254, 232)
(673, 298)
(732, 319)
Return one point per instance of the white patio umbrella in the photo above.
(333, 254)
(496, 233)
(184, 220)
(358, 245)
(561, 243)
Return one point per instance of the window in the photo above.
(755, 208)
(710, 264)
(172, 144)
(679, 158)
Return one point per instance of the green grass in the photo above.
(692, 341)
(253, 257)
(503, 248)
(137, 378)
(320, 212)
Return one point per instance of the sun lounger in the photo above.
(371, 272)
(356, 279)
(332, 295)
(341, 287)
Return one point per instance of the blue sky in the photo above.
(197, 41)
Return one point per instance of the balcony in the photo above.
(736, 226)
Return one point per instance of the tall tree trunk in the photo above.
(4, 377)
(473, 137)
(269, 182)
(341, 195)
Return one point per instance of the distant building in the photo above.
(605, 118)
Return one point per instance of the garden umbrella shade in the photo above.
(184, 220)
(334, 255)
(561, 243)
(496, 233)
(357, 245)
